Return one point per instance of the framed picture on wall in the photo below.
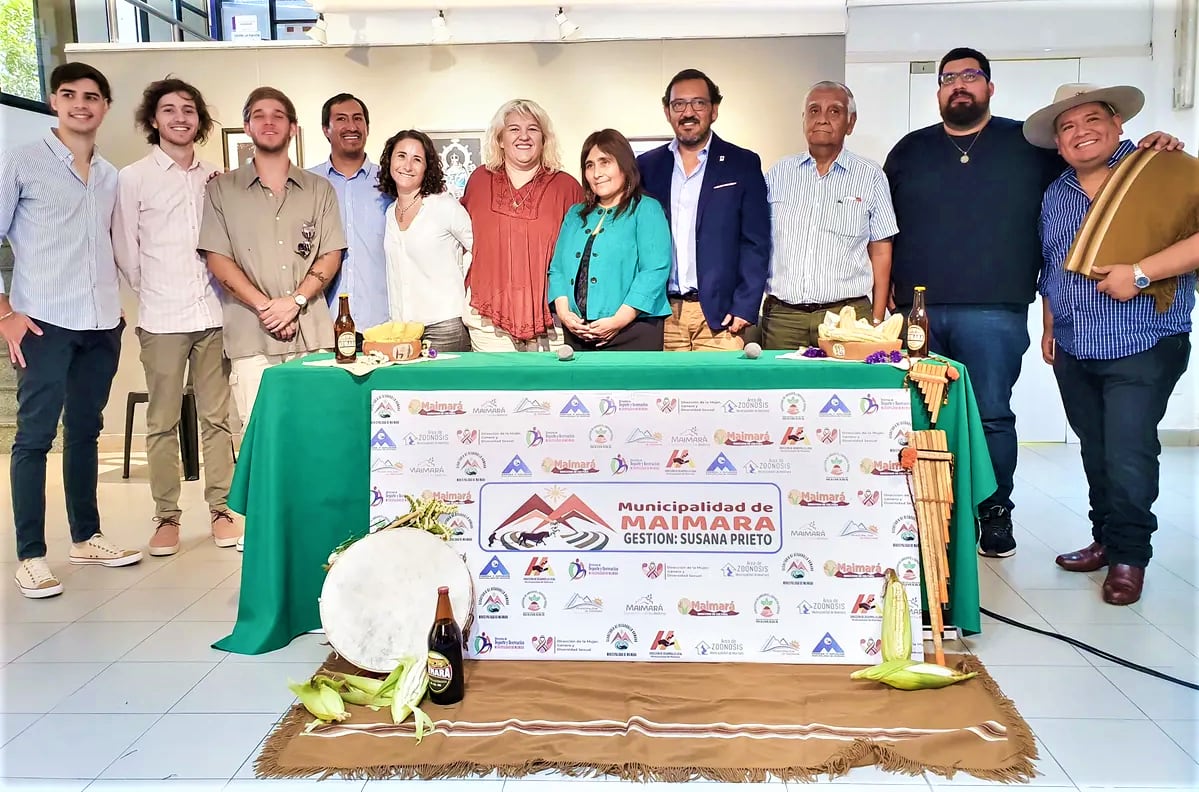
(239, 148)
(460, 153)
(643, 144)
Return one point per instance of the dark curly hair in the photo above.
(144, 116)
(434, 181)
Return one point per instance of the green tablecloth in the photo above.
(304, 463)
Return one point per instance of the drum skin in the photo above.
(380, 596)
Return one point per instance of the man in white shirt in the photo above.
(155, 231)
(832, 223)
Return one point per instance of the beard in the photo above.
(698, 136)
(964, 114)
(282, 145)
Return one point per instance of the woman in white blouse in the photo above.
(428, 236)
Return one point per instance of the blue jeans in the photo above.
(991, 341)
(1114, 406)
(69, 374)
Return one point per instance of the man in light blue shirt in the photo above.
(61, 320)
(363, 274)
(832, 223)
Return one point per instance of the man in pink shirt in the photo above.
(155, 231)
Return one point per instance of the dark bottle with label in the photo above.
(918, 326)
(343, 331)
(446, 683)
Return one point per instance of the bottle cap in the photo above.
(919, 288)
(443, 589)
(343, 294)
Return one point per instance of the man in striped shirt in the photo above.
(1115, 357)
(832, 223)
(155, 230)
(62, 320)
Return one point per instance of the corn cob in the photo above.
(897, 621)
(923, 676)
(322, 701)
(876, 672)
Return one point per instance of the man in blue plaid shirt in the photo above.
(1115, 356)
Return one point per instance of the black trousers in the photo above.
(1114, 406)
(69, 375)
(644, 334)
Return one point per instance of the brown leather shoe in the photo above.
(1123, 584)
(1088, 559)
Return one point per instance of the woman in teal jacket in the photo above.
(608, 276)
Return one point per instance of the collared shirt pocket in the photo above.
(846, 216)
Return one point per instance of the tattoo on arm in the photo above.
(320, 276)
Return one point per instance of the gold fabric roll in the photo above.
(1149, 202)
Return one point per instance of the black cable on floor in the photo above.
(1088, 648)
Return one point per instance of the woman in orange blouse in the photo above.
(516, 204)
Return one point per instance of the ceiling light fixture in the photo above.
(566, 28)
(441, 29)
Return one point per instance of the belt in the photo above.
(810, 307)
(688, 297)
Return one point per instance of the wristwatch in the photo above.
(1139, 277)
(301, 300)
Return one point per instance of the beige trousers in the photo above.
(687, 330)
(246, 376)
(171, 360)
(486, 337)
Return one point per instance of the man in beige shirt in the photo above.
(273, 238)
(154, 232)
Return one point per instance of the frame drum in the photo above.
(380, 596)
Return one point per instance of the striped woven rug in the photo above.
(670, 722)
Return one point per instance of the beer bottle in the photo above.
(918, 326)
(446, 684)
(343, 331)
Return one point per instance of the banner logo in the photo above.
(574, 409)
(495, 570)
(380, 439)
(834, 407)
(828, 647)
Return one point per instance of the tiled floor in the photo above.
(113, 686)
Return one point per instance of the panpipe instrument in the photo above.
(929, 467)
(932, 377)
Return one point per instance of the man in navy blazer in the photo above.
(714, 195)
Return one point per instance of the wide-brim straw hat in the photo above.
(1125, 100)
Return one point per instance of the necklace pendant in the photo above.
(964, 159)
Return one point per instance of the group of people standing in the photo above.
(688, 247)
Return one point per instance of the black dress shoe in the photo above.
(1123, 584)
(1088, 559)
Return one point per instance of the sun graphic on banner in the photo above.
(555, 494)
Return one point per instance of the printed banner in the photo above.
(645, 525)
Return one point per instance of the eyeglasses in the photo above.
(965, 75)
(679, 105)
(308, 231)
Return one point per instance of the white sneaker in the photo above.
(241, 543)
(98, 550)
(35, 580)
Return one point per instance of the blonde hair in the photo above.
(493, 155)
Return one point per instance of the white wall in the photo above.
(19, 126)
(1034, 46)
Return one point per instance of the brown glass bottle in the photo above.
(918, 326)
(446, 683)
(343, 331)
